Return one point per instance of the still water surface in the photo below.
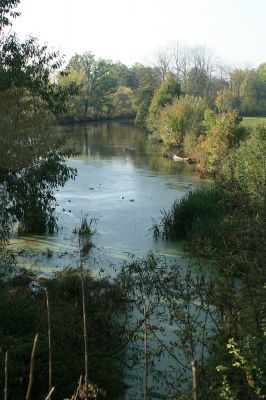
(124, 183)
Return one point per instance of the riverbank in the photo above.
(124, 190)
(65, 121)
(23, 314)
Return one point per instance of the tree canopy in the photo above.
(32, 161)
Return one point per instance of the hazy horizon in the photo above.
(134, 31)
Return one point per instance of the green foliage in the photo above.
(123, 103)
(180, 123)
(201, 204)
(32, 161)
(143, 97)
(245, 167)
(252, 122)
(226, 223)
(191, 314)
(247, 366)
(106, 332)
(197, 82)
(94, 82)
(7, 12)
(246, 92)
(177, 302)
(168, 91)
(29, 66)
(254, 375)
(222, 134)
(125, 76)
(147, 80)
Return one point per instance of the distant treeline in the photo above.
(106, 89)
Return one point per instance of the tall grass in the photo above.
(196, 206)
(85, 233)
(86, 227)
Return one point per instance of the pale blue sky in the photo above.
(132, 30)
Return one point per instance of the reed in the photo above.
(32, 362)
(85, 336)
(6, 376)
(49, 343)
(145, 355)
(49, 394)
(195, 380)
(178, 222)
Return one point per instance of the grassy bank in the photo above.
(253, 121)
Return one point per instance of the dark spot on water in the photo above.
(132, 200)
(64, 209)
(69, 210)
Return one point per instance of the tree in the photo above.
(146, 81)
(196, 68)
(143, 97)
(222, 134)
(163, 64)
(7, 12)
(94, 81)
(124, 76)
(244, 92)
(180, 123)
(246, 167)
(201, 77)
(163, 96)
(32, 160)
(167, 92)
(122, 102)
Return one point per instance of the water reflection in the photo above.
(114, 139)
(124, 183)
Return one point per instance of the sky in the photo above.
(134, 30)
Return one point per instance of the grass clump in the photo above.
(85, 233)
(177, 223)
(86, 246)
(221, 224)
(49, 252)
(86, 227)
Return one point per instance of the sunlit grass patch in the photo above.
(253, 121)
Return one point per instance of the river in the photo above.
(124, 183)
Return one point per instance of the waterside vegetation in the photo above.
(216, 312)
